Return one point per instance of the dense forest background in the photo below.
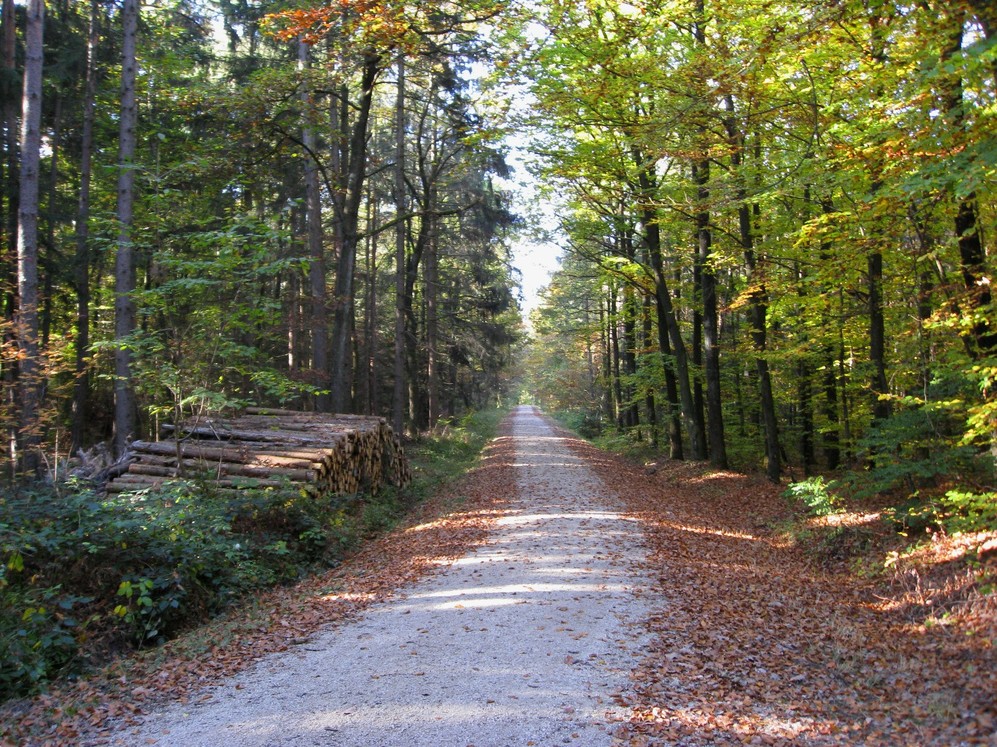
(779, 227)
(214, 204)
(775, 221)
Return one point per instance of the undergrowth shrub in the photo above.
(968, 511)
(82, 572)
(39, 636)
(140, 567)
(814, 494)
(586, 424)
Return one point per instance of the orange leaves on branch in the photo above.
(374, 23)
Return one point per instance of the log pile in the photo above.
(320, 453)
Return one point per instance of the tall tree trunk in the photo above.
(124, 267)
(27, 239)
(758, 299)
(649, 398)
(711, 322)
(11, 116)
(607, 364)
(81, 385)
(371, 400)
(593, 390)
(670, 343)
(612, 318)
(630, 314)
(432, 280)
(346, 265)
(315, 237)
(8, 260)
(981, 339)
(831, 438)
(696, 346)
(398, 399)
(293, 304)
(877, 336)
(50, 260)
(879, 387)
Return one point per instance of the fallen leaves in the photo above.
(754, 645)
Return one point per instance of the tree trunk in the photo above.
(981, 339)
(877, 336)
(711, 321)
(8, 262)
(398, 400)
(758, 300)
(432, 281)
(612, 318)
(124, 268)
(26, 326)
(81, 385)
(346, 266)
(630, 314)
(315, 238)
(650, 405)
(11, 115)
(670, 343)
(831, 439)
(879, 386)
(607, 365)
(371, 400)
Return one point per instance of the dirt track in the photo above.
(530, 638)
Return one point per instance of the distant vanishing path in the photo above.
(524, 641)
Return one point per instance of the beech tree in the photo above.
(807, 176)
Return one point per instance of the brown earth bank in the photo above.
(759, 639)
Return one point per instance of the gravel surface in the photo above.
(527, 640)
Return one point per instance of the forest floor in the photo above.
(752, 634)
(842, 633)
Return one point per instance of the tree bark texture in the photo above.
(346, 266)
(124, 266)
(26, 326)
(81, 386)
(315, 238)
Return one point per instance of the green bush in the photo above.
(39, 636)
(586, 424)
(914, 516)
(146, 564)
(964, 511)
(814, 493)
(919, 444)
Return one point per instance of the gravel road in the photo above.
(527, 640)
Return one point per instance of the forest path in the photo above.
(529, 639)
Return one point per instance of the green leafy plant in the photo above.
(966, 511)
(39, 636)
(141, 567)
(814, 494)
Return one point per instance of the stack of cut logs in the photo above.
(268, 448)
